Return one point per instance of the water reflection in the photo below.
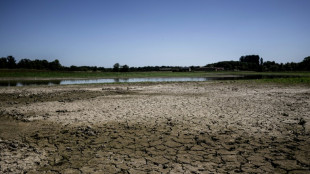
(29, 82)
(130, 80)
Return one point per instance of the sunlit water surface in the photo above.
(131, 80)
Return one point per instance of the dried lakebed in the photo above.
(195, 127)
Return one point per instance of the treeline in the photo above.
(125, 68)
(256, 63)
(245, 63)
(9, 62)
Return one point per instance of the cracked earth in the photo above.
(203, 127)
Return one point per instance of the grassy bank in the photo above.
(287, 81)
(304, 77)
(68, 74)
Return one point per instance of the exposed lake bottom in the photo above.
(218, 127)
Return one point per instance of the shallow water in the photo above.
(131, 80)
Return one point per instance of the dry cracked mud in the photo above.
(203, 127)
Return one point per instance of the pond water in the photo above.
(130, 80)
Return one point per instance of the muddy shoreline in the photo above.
(194, 127)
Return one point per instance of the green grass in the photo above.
(286, 81)
(67, 74)
(304, 77)
(282, 73)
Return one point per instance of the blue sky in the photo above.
(154, 32)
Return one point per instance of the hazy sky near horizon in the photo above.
(154, 32)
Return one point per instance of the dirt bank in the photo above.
(201, 127)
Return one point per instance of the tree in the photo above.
(261, 64)
(250, 59)
(45, 64)
(271, 66)
(55, 65)
(252, 62)
(261, 61)
(25, 64)
(305, 64)
(3, 62)
(41, 64)
(125, 68)
(116, 67)
(73, 68)
(11, 62)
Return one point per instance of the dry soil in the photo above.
(203, 127)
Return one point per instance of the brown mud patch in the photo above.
(24, 97)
